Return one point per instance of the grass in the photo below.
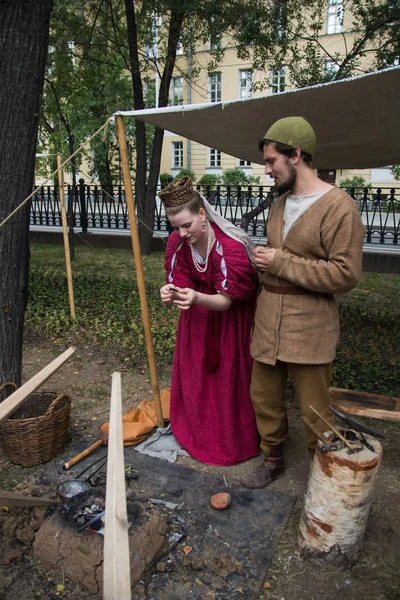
(107, 302)
(109, 313)
(98, 261)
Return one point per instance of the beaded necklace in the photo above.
(202, 268)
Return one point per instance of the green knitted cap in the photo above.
(293, 131)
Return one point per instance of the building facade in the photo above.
(234, 79)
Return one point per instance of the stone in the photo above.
(24, 534)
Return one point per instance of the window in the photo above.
(277, 80)
(335, 16)
(151, 49)
(279, 19)
(330, 68)
(244, 163)
(214, 87)
(245, 87)
(215, 158)
(72, 52)
(215, 44)
(177, 155)
(215, 37)
(176, 92)
(392, 61)
(149, 92)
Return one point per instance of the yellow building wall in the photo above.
(229, 69)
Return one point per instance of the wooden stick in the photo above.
(366, 404)
(10, 404)
(349, 444)
(117, 574)
(123, 149)
(65, 234)
(11, 499)
(81, 455)
(319, 434)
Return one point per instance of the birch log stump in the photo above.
(337, 503)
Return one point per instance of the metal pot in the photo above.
(68, 489)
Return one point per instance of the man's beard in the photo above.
(287, 185)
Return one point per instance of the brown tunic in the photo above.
(322, 253)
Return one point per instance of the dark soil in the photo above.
(87, 377)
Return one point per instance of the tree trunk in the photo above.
(138, 104)
(24, 34)
(145, 190)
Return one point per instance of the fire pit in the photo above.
(65, 542)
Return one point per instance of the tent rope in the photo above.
(140, 220)
(104, 126)
(54, 172)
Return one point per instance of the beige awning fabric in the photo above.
(357, 121)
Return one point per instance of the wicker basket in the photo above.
(38, 430)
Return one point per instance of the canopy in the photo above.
(356, 120)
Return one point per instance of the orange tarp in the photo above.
(138, 422)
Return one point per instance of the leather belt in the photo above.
(287, 291)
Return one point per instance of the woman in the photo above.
(211, 280)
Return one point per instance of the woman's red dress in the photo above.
(212, 416)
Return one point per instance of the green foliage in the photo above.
(395, 170)
(186, 173)
(369, 349)
(292, 34)
(234, 177)
(238, 177)
(165, 178)
(109, 314)
(355, 181)
(209, 179)
(86, 81)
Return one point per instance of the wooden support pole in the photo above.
(11, 499)
(116, 560)
(123, 149)
(65, 234)
(10, 404)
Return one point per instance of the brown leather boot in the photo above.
(264, 471)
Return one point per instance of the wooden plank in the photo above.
(366, 404)
(11, 499)
(10, 404)
(116, 575)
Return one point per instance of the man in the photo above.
(315, 238)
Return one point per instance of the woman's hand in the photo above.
(185, 298)
(168, 292)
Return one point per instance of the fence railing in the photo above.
(92, 208)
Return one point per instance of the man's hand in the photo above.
(263, 257)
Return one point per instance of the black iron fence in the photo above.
(94, 208)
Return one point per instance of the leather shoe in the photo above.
(264, 471)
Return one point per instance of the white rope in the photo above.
(54, 172)
(140, 220)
